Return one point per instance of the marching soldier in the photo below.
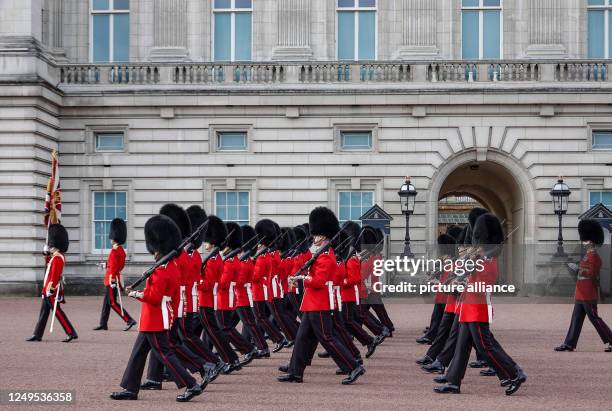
(162, 236)
(52, 291)
(587, 289)
(376, 303)
(369, 238)
(302, 254)
(112, 279)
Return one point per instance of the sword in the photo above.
(119, 294)
(59, 284)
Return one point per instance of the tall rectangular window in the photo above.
(352, 204)
(602, 140)
(481, 29)
(604, 197)
(107, 205)
(232, 22)
(598, 29)
(356, 29)
(110, 31)
(232, 206)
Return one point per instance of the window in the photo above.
(481, 29)
(604, 197)
(355, 140)
(598, 32)
(356, 29)
(106, 206)
(232, 206)
(109, 141)
(602, 140)
(352, 204)
(110, 31)
(232, 141)
(232, 30)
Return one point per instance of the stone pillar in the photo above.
(52, 30)
(169, 30)
(419, 22)
(293, 31)
(545, 32)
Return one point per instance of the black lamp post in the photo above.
(560, 197)
(407, 194)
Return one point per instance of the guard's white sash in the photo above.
(265, 290)
(249, 293)
(356, 287)
(231, 294)
(181, 303)
(275, 286)
(215, 287)
(166, 311)
(194, 297)
(330, 293)
(339, 298)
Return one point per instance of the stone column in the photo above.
(545, 32)
(293, 31)
(53, 29)
(169, 30)
(419, 22)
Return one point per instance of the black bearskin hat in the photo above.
(487, 230)
(462, 234)
(300, 235)
(306, 228)
(454, 231)
(352, 229)
(58, 237)
(248, 233)
(216, 231)
(266, 231)
(590, 230)
(179, 216)
(162, 235)
(447, 245)
(323, 221)
(118, 231)
(467, 240)
(368, 237)
(341, 253)
(288, 240)
(197, 216)
(380, 244)
(278, 232)
(235, 238)
(474, 214)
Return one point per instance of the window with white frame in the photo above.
(110, 31)
(111, 141)
(481, 29)
(598, 32)
(604, 197)
(355, 140)
(231, 141)
(352, 204)
(232, 206)
(601, 140)
(356, 29)
(232, 30)
(107, 205)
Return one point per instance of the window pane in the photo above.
(98, 199)
(222, 36)
(367, 3)
(596, 34)
(232, 212)
(101, 36)
(367, 200)
(243, 36)
(232, 198)
(231, 141)
(121, 198)
(98, 213)
(602, 140)
(594, 198)
(100, 4)
(345, 213)
(346, 35)
(491, 20)
(470, 3)
(367, 35)
(121, 37)
(355, 198)
(356, 141)
(122, 4)
(221, 199)
(243, 4)
(469, 34)
(490, 3)
(109, 141)
(345, 198)
(243, 213)
(606, 198)
(346, 3)
(223, 4)
(109, 198)
(243, 198)
(596, 2)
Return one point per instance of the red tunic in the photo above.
(350, 286)
(226, 297)
(245, 276)
(53, 275)
(476, 306)
(587, 284)
(367, 267)
(261, 269)
(157, 313)
(275, 274)
(210, 281)
(298, 262)
(284, 273)
(338, 280)
(317, 289)
(114, 265)
(190, 281)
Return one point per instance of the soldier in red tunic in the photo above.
(112, 279)
(587, 289)
(52, 285)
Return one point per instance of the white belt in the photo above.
(215, 287)
(339, 298)
(194, 297)
(330, 293)
(181, 302)
(166, 308)
(274, 286)
(249, 294)
(265, 289)
(356, 293)
(231, 294)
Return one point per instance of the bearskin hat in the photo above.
(197, 216)
(463, 234)
(352, 229)
(216, 231)
(467, 240)
(454, 231)
(248, 233)
(590, 230)
(118, 231)
(380, 244)
(447, 245)
(487, 230)
(323, 221)
(300, 235)
(368, 237)
(266, 231)
(162, 235)
(474, 214)
(179, 216)
(306, 228)
(342, 252)
(288, 239)
(235, 235)
(58, 237)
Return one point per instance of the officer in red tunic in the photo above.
(476, 314)
(52, 285)
(156, 317)
(587, 289)
(316, 324)
(302, 254)
(112, 278)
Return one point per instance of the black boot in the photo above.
(434, 367)
(489, 372)
(189, 393)
(124, 395)
(101, 327)
(151, 385)
(280, 345)
(426, 360)
(477, 364)
(33, 338)
(323, 354)
(289, 378)
(354, 375)
(564, 347)
(70, 338)
(447, 389)
(129, 325)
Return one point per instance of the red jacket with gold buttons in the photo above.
(157, 313)
(226, 295)
(316, 290)
(190, 280)
(114, 265)
(274, 275)
(352, 280)
(53, 275)
(261, 271)
(245, 275)
(476, 307)
(587, 284)
(210, 280)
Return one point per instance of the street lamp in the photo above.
(560, 197)
(407, 194)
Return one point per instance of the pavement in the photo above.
(93, 365)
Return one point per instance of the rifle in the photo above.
(216, 250)
(366, 253)
(268, 248)
(247, 253)
(238, 250)
(343, 244)
(297, 247)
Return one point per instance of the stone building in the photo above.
(267, 108)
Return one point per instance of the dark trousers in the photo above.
(259, 309)
(582, 309)
(216, 334)
(446, 323)
(46, 308)
(434, 322)
(157, 343)
(288, 325)
(383, 316)
(191, 328)
(446, 355)
(110, 301)
(369, 320)
(350, 314)
(343, 335)
(227, 323)
(293, 306)
(248, 323)
(479, 335)
(317, 327)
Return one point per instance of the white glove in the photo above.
(49, 292)
(113, 285)
(135, 294)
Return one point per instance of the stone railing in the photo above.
(224, 74)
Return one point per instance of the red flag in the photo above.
(53, 200)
